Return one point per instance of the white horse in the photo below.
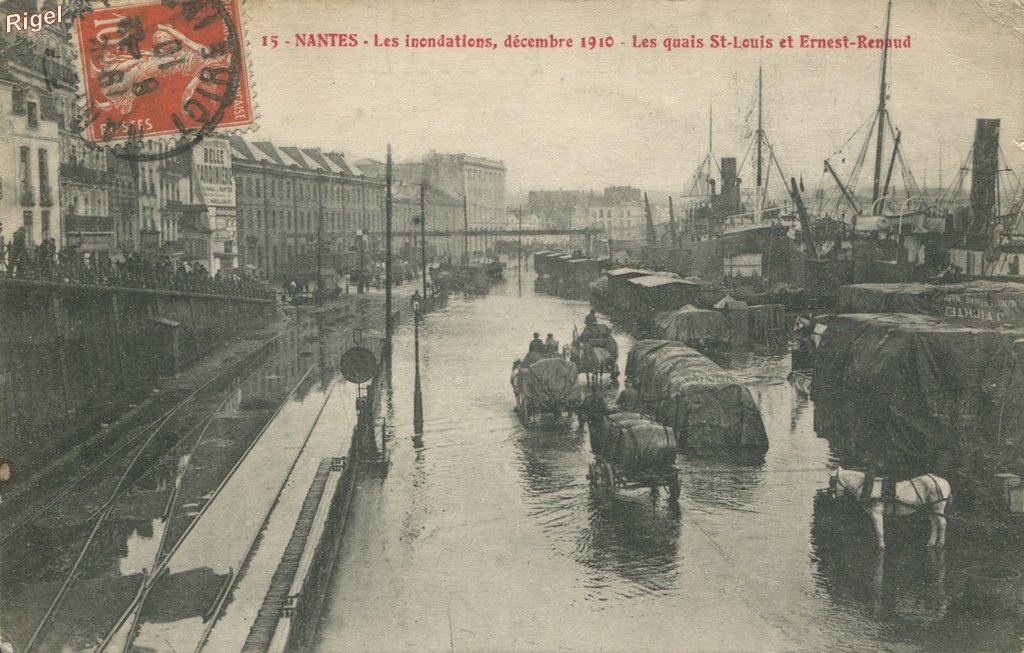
(929, 493)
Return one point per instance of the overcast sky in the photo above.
(577, 118)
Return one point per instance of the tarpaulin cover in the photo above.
(534, 356)
(691, 323)
(708, 408)
(599, 336)
(919, 393)
(549, 381)
(635, 443)
(978, 303)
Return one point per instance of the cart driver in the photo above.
(537, 344)
(591, 318)
(551, 344)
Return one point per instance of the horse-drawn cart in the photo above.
(633, 451)
(595, 352)
(544, 384)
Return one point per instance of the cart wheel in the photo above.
(673, 488)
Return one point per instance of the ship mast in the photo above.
(881, 112)
(760, 137)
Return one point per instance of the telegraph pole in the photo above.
(417, 398)
(423, 236)
(519, 258)
(319, 247)
(387, 259)
(465, 229)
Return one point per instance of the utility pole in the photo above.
(319, 247)
(672, 223)
(519, 256)
(465, 229)
(387, 259)
(423, 235)
(570, 231)
(417, 397)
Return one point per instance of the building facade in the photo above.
(36, 111)
(286, 196)
(478, 181)
(29, 193)
(619, 212)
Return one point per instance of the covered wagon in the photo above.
(694, 326)
(545, 383)
(709, 409)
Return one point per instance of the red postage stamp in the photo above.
(163, 68)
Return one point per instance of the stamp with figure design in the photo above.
(163, 69)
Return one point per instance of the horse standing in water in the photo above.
(930, 493)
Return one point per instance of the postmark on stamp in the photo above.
(163, 68)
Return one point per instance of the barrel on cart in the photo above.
(545, 384)
(633, 451)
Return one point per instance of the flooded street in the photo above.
(239, 456)
(486, 535)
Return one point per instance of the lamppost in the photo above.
(361, 281)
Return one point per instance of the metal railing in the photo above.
(70, 266)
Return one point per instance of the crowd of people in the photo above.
(20, 259)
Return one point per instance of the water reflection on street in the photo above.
(486, 535)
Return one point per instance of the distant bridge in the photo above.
(586, 231)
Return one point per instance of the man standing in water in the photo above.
(629, 398)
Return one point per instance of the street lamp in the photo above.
(361, 281)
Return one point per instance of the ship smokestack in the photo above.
(983, 174)
(730, 186)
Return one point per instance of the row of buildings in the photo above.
(230, 203)
(618, 211)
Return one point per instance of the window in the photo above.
(26, 221)
(44, 180)
(44, 223)
(24, 171)
(32, 109)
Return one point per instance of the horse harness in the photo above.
(889, 502)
